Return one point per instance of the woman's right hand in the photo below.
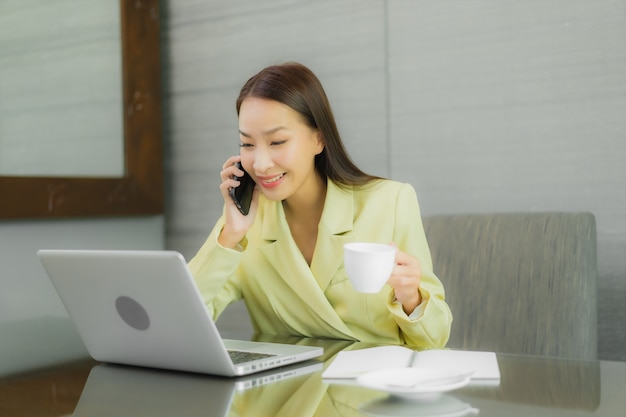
(236, 224)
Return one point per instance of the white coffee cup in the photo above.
(368, 265)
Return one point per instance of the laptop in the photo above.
(143, 308)
(119, 390)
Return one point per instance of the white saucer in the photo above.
(392, 381)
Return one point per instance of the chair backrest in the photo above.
(520, 283)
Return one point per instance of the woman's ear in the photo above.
(319, 142)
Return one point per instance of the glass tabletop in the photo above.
(529, 386)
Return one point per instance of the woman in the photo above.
(285, 257)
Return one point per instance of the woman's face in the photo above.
(278, 148)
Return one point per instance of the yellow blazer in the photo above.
(286, 296)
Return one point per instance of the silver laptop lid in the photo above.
(143, 308)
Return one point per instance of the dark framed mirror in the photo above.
(139, 191)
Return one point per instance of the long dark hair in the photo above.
(295, 85)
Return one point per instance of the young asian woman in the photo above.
(285, 257)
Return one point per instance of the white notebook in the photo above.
(350, 364)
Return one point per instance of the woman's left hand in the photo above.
(405, 280)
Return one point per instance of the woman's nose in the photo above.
(262, 161)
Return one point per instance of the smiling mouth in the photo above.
(273, 179)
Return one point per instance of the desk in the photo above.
(530, 386)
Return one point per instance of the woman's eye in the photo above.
(278, 142)
(245, 145)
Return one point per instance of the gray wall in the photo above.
(54, 60)
(484, 106)
(35, 329)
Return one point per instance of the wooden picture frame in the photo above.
(140, 190)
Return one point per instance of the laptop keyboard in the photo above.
(238, 356)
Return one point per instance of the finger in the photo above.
(403, 270)
(228, 184)
(231, 161)
(225, 188)
(230, 171)
(406, 272)
(403, 258)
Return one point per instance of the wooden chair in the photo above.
(520, 283)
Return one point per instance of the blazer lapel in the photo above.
(282, 252)
(280, 249)
(331, 235)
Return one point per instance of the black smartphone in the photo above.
(242, 194)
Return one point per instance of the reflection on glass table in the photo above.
(529, 386)
(444, 405)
